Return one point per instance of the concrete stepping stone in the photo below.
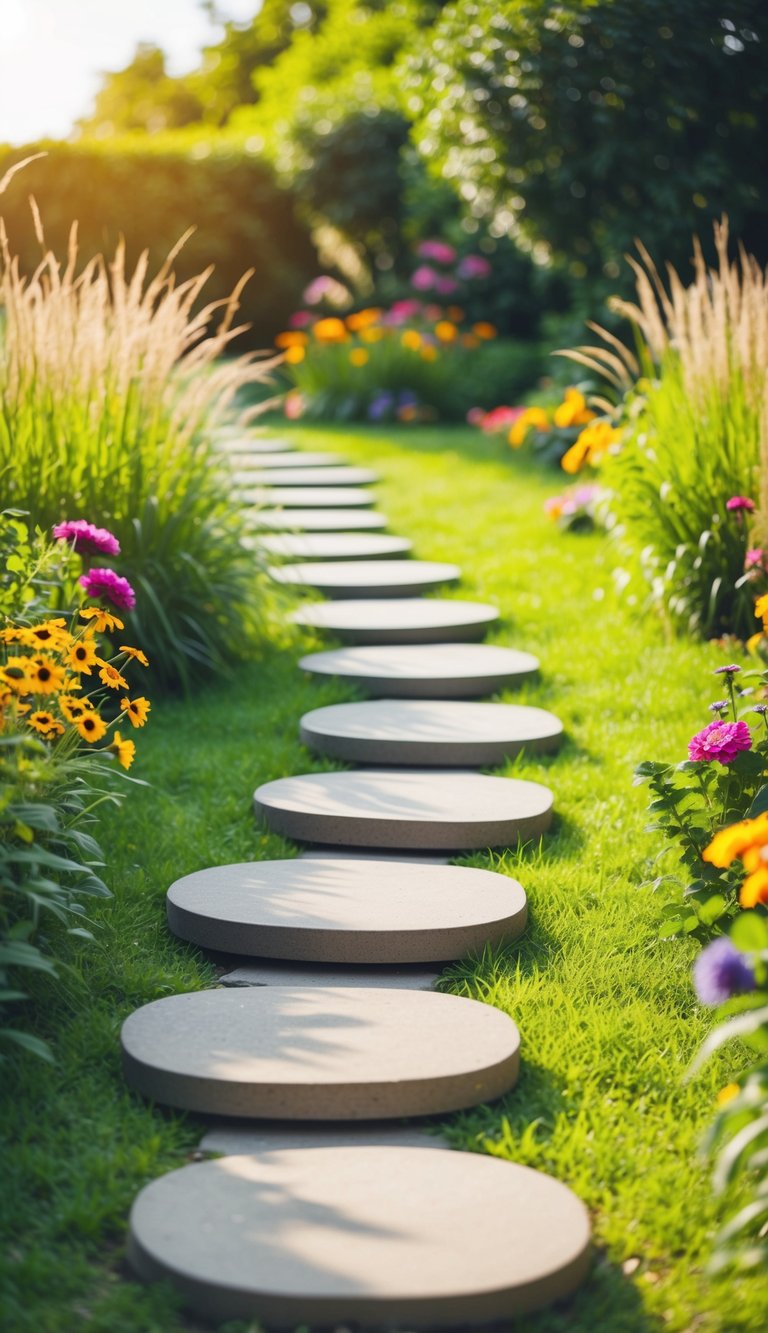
(401, 620)
(335, 546)
(310, 497)
(268, 972)
(429, 671)
(361, 1236)
(320, 1053)
(319, 520)
(233, 1139)
(405, 809)
(345, 911)
(443, 732)
(238, 445)
(366, 578)
(315, 476)
(282, 459)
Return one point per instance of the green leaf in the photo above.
(712, 909)
(760, 804)
(28, 1043)
(749, 932)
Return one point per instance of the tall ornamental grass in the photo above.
(694, 393)
(111, 384)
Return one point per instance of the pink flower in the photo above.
(720, 742)
(754, 558)
(423, 278)
(475, 416)
(109, 585)
(86, 537)
(327, 289)
(300, 319)
(293, 406)
(439, 251)
(401, 311)
(500, 418)
(446, 286)
(737, 502)
(473, 266)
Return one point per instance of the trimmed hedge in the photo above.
(150, 189)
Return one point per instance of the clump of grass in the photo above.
(111, 384)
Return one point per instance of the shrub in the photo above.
(110, 386)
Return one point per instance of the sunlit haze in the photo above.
(52, 53)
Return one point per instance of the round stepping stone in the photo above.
(402, 1237)
(279, 459)
(320, 1053)
(367, 578)
(404, 620)
(346, 910)
(429, 731)
(405, 808)
(242, 446)
(310, 497)
(431, 671)
(335, 546)
(315, 476)
(319, 520)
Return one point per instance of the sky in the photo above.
(53, 51)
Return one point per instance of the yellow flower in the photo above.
(371, 335)
(102, 620)
(125, 750)
(484, 330)
(363, 319)
(45, 723)
(330, 330)
(532, 418)
(293, 338)
(573, 411)
(81, 656)
(45, 675)
(761, 608)
(137, 710)
(735, 840)
(111, 677)
(446, 331)
(51, 634)
(294, 356)
(411, 339)
(753, 641)
(428, 352)
(589, 447)
(358, 356)
(727, 1094)
(14, 675)
(72, 708)
(90, 726)
(135, 654)
(11, 635)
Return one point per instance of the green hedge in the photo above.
(150, 189)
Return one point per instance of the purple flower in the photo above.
(380, 405)
(423, 279)
(720, 971)
(439, 251)
(738, 502)
(726, 670)
(760, 708)
(86, 537)
(719, 706)
(720, 742)
(474, 266)
(109, 585)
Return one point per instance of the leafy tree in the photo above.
(143, 96)
(585, 123)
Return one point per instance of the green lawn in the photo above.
(607, 1015)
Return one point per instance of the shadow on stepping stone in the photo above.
(271, 972)
(316, 520)
(266, 1136)
(399, 620)
(367, 578)
(425, 671)
(309, 497)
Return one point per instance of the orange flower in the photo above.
(532, 417)
(111, 677)
(455, 313)
(748, 840)
(590, 446)
(363, 319)
(293, 338)
(330, 330)
(358, 356)
(411, 339)
(135, 654)
(294, 356)
(469, 340)
(573, 411)
(446, 331)
(137, 710)
(485, 330)
(428, 352)
(90, 726)
(372, 335)
(101, 620)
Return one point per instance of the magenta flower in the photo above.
(754, 557)
(439, 251)
(720, 742)
(401, 311)
(445, 286)
(474, 266)
(300, 319)
(109, 585)
(86, 537)
(738, 502)
(423, 278)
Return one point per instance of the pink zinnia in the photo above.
(85, 536)
(300, 319)
(737, 502)
(423, 279)
(109, 585)
(439, 251)
(401, 311)
(720, 742)
(474, 266)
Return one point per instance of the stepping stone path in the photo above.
(431, 671)
(365, 578)
(326, 1208)
(425, 731)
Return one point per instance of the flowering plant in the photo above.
(577, 509)
(570, 433)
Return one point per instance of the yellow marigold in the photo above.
(446, 331)
(727, 1094)
(291, 338)
(573, 410)
(363, 319)
(358, 356)
(483, 329)
(50, 634)
(532, 418)
(754, 890)
(101, 620)
(330, 330)
(411, 339)
(372, 335)
(294, 356)
(45, 724)
(72, 708)
(125, 750)
(137, 710)
(90, 726)
(135, 654)
(428, 352)
(45, 675)
(735, 840)
(81, 655)
(111, 677)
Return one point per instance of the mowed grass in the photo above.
(608, 1019)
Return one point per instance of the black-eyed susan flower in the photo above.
(50, 634)
(136, 709)
(111, 677)
(14, 675)
(125, 750)
(45, 675)
(45, 724)
(72, 708)
(100, 620)
(90, 726)
(81, 655)
(134, 653)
